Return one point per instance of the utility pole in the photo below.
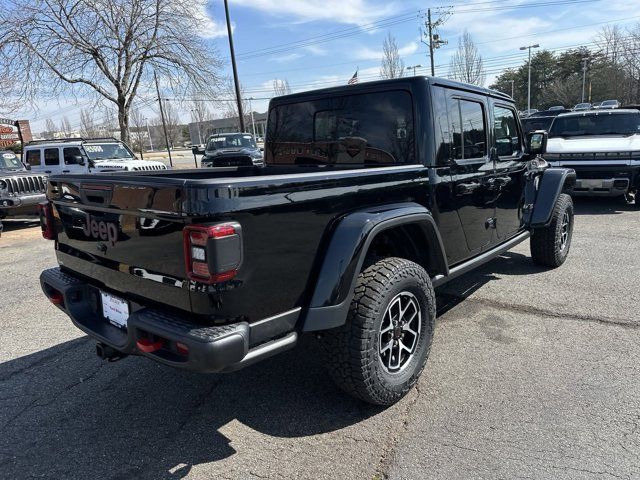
(253, 123)
(529, 47)
(435, 41)
(164, 124)
(235, 69)
(512, 91)
(585, 61)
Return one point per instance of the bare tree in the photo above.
(138, 131)
(201, 115)
(87, 123)
(281, 87)
(466, 64)
(229, 105)
(65, 127)
(51, 128)
(172, 121)
(108, 48)
(392, 65)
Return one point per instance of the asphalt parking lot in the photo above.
(533, 374)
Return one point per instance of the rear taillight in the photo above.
(45, 210)
(213, 253)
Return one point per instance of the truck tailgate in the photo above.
(124, 234)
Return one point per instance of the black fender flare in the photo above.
(346, 252)
(542, 193)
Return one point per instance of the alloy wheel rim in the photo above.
(564, 230)
(399, 332)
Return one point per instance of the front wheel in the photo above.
(378, 355)
(550, 245)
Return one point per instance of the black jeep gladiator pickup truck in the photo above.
(371, 196)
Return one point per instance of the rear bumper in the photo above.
(607, 187)
(210, 349)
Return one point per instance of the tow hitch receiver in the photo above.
(105, 352)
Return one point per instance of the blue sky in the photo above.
(316, 44)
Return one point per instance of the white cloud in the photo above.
(288, 57)
(208, 28)
(367, 53)
(315, 50)
(354, 12)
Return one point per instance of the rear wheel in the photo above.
(378, 355)
(550, 245)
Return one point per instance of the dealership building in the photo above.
(226, 125)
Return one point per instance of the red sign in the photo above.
(10, 135)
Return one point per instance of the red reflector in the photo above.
(182, 348)
(56, 298)
(148, 346)
(225, 276)
(45, 210)
(201, 269)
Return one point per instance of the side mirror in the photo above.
(27, 166)
(537, 142)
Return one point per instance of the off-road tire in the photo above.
(352, 351)
(547, 246)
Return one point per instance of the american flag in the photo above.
(353, 80)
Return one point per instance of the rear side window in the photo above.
(468, 128)
(505, 130)
(51, 156)
(442, 126)
(33, 158)
(374, 129)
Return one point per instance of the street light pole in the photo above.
(512, 91)
(585, 60)
(253, 123)
(235, 69)
(529, 47)
(414, 68)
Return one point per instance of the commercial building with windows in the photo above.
(199, 132)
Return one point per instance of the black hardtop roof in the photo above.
(391, 84)
(595, 113)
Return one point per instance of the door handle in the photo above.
(47, 171)
(66, 171)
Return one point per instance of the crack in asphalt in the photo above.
(542, 311)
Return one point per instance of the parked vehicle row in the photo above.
(371, 196)
(20, 190)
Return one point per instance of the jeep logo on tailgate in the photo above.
(100, 230)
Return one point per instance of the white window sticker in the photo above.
(93, 148)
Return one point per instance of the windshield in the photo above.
(108, 151)
(232, 140)
(365, 129)
(9, 161)
(536, 123)
(575, 126)
(583, 105)
(610, 102)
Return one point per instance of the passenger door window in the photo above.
(51, 157)
(505, 130)
(34, 157)
(469, 132)
(73, 156)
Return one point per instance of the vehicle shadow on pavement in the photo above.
(66, 414)
(509, 263)
(601, 206)
(11, 225)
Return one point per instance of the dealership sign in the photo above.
(14, 132)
